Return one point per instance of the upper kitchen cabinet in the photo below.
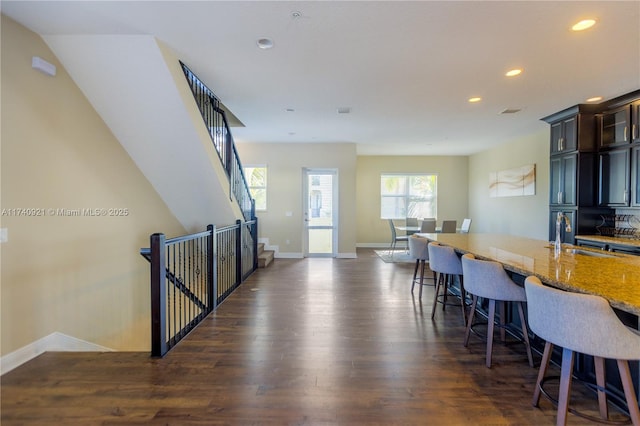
(620, 121)
(616, 127)
(635, 121)
(573, 129)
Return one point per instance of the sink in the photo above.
(582, 252)
(588, 253)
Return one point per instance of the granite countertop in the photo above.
(615, 277)
(625, 241)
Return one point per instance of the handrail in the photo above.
(218, 128)
(192, 274)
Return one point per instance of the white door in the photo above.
(320, 212)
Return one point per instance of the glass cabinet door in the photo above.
(615, 127)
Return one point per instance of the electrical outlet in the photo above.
(4, 235)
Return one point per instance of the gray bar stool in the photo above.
(445, 263)
(418, 250)
(586, 324)
(489, 280)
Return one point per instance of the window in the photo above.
(403, 196)
(257, 180)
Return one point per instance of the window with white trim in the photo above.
(408, 195)
(256, 177)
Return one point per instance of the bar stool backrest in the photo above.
(443, 259)
(418, 248)
(579, 322)
(489, 279)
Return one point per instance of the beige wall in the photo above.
(522, 216)
(81, 276)
(284, 190)
(452, 190)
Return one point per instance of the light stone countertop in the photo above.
(616, 278)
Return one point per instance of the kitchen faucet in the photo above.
(558, 244)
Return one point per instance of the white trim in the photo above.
(347, 256)
(281, 255)
(376, 245)
(54, 342)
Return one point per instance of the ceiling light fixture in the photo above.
(344, 110)
(595, 99)
(513, 72)
(265, 43)
(584, 24)
(475, 99)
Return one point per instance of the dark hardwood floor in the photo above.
(313, 341)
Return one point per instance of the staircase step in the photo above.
(265, 258)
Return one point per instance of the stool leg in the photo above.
(472, 313)
(435, 298)
(415, 274)
(544, 364)
(462, 302)
(490, 321)
(503, 320)
(629, 392)
(600, 381)
(525, 334)
(421, 279)
(565, 386)
(446, 291)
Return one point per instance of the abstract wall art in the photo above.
(516, 182)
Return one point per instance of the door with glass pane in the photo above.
(320, 212)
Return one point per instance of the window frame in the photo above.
(408, 197)
(253, 188)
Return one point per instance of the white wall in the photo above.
(521, 216)
(284, 190)
(77, 275)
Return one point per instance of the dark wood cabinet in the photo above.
(635, 122)
(635, 176)
(616, 127)
(564, 135)
(563, 180)
(613, 188)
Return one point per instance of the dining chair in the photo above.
(449, 226)
(428, 226)
(466, 224)
(395, 237)
(413, 222)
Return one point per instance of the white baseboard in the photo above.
(281, 255)
(346, 256)
(54, 342)
(377, 245)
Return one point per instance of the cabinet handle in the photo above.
(561, 144)
(633, 131)
(625, 196)
(625, 133)
(560, 197)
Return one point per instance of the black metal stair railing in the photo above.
(218, 127)
(192, 274)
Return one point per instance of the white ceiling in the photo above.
(405, 69)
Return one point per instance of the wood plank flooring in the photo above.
(303, 342)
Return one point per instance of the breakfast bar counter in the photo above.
(614, 276)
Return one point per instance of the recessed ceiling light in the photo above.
(513, 72)
(290, 110)
(265, 43)
(475, 99)
(344, 110)
(584, 24)
(595, 99)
